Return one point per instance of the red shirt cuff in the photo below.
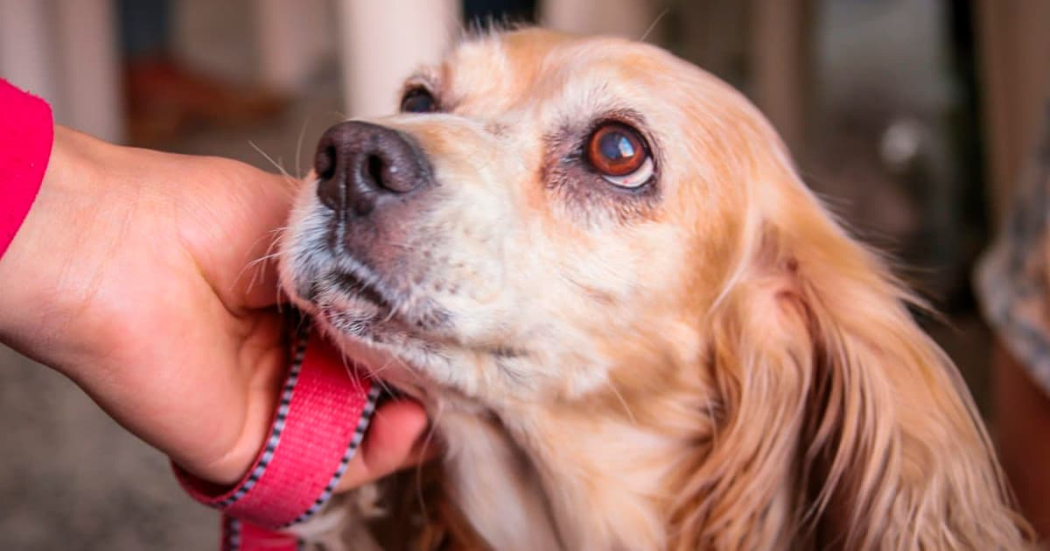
(26, 135)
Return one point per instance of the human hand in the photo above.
(144, 277)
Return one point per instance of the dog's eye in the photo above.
(418, 100)
(618, 152)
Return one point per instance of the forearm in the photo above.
(31, 220)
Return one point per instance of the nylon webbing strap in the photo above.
(323, 414)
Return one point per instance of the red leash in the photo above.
(323, 414)
(238, 535)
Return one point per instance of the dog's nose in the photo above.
(361, 164)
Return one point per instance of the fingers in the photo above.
(396, 439)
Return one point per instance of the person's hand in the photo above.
(145, 277)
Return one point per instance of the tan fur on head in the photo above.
(709, 363)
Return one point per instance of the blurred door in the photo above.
(1014, 40)
(383, 42)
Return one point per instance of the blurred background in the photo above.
(912, 118)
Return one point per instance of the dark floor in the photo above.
(73, 479)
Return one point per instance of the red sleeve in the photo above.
(26, 134)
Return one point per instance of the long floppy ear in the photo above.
(840, 424)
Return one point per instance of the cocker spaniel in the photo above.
(632, 324)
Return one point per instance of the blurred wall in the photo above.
(65, 52)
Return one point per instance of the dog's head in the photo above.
(522, 227)
(599, 228)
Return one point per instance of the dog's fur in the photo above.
(709, 363)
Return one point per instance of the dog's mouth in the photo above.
(355, 301)
(398, 334)
(381, 316)
(365, 287)
(363, 295)
(362, 316)
(355, 304)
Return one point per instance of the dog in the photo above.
(631, 323)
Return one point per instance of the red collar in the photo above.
(318, 426)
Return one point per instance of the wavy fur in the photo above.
(715, 365)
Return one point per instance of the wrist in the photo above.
(43, 298)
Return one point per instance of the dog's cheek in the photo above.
(463, 256)
(302, 257)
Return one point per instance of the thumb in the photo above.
(396, 439)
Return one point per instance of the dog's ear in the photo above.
(840, 424)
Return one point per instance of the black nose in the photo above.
(361, 164)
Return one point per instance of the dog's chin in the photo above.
(406, 348)
(375, 337)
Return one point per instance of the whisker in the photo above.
(269, 158)
(409, 370)
(288, 177)
(375, 372)
(655, 22)
(299, 146)
(262, 259)
(390, 314)
(401, 363)
(267, 255)
(351, 373)
(302, 322)
(419, 467)
(623, 402)
(277, 299)
(374, 376)
(278, 233)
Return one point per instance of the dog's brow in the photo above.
(424, 78)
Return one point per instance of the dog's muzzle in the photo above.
(373, 190)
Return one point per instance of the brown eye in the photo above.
(418, 100)
(620, 155)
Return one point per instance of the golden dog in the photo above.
(632, 324)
